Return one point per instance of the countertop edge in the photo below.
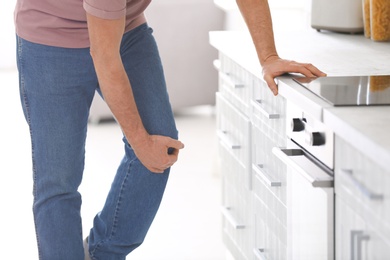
(356, 138)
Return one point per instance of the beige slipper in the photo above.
(86, 252)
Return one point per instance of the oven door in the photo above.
(310, 206)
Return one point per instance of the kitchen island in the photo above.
(265, 217)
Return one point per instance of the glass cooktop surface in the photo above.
(350, 90)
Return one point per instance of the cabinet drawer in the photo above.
(276, 216)
(356, 238)
(363, 185)
(236, 206)
(270, 232)
(267, 167)
(233, 130)
(235, 84)
(268, 111)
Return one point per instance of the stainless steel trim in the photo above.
(264, 176)
(360, 186)
(357, 238)
(229, 217)
(296, 159)
(257, 105)
(227, 141)
(259, 253)
(228, 80)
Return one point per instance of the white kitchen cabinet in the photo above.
(270, 214)
(356, 238)
(268, 173)
(234, 133)
(361, 176)
(362, 205)
(310, 216)
(269, 210)
(235, 83)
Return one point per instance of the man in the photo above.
(66, 50)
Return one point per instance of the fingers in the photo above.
(167, 159)
(314, 70)
(271, 84)
(278, 67)
(176, 144)
(307, 69)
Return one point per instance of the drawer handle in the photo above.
(363, 189)
(357, 238)
(265, 177)
(258, 106)
(226, 140)
(259, 253)
(295, 159)
(228, 80)
(229, 217)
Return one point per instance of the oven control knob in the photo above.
(316, 139)
(297, 125)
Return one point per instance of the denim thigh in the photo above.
(57, 86)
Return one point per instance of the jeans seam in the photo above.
(26, 108)
(117, 209)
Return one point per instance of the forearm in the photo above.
(105, 39)
(118, 95)
(113, 80)
(258, 20)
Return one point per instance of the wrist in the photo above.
(137, 137)
(269, 58)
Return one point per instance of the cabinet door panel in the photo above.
(270, 225)
(268, 112)
(234, 133)
(310, 219)
(235, 84)
(356, 239)
(236, 205)
(266, 166)
(363, 185)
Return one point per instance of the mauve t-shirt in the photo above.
(63, 23)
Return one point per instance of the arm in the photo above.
(257, 17)
(105, 38)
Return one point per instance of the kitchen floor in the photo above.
(188, 224)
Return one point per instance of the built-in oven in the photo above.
(310, 194)
(309, 156)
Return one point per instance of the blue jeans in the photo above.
(57, 86)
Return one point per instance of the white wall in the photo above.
(286, 14)
(181, 29)
(7, 31)
(290, 14)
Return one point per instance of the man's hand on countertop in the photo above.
(275, 66)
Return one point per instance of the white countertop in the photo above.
(334, 53)
(367, 128)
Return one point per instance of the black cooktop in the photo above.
(350, 90)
